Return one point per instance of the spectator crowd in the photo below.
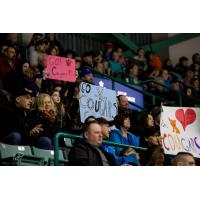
(33, 109)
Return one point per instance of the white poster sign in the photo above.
(180, 130)
(97, 101)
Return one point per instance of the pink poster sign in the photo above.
(60, 68)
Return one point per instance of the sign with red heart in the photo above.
(185, 118)
(180, 130)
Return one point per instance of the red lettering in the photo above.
(164, 137)
(172, 139)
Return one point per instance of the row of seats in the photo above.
(32, 156)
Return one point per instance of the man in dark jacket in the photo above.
(86, 151)
(13, 126)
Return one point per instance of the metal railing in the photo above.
(145, 93)
(180, 94)
(72, 136)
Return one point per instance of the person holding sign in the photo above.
(86, 75)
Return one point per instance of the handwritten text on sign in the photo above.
(60, 68)
(97, 101)
(180, 130)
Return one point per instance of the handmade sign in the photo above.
(60, 68)
(97, 101)
(180, 130)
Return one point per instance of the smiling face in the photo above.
(47, 103)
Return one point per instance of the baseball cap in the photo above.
(85, 72)
(24, 91)
(102, 120)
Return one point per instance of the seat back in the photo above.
(48, 155)
(7, 150)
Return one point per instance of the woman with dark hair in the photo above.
(147, 125)
(122, 136)
(189, 91)
(60, 108)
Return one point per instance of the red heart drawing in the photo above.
(185, 118)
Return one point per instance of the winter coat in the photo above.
(117, 137)
(83, 153)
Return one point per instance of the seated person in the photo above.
(13, 126)
(120, 160)
(155, 156)
(122, 136)
(46, 123)
(150, 139)
(86, 151)
(114, 65)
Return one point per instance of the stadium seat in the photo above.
(68, 142)
(18, 155)
(48, 155)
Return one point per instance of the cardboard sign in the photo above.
(97, 101)
(180, 130)
(60, 68)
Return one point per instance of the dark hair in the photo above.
(42, 41)
(88, 53)
(140, 49)
(131, 64)
(33, 41)
(96, 53)
(144, 118)
(156, 111)
(119, 96)
(153, 156)
(183, 58)
(194, 56)
(69, 51)
(119, 120)
(86, 120)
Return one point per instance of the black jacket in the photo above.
(84, 154)
(36, 118)
(12, 119)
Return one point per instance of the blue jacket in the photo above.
(120, 160)
(116, 136)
